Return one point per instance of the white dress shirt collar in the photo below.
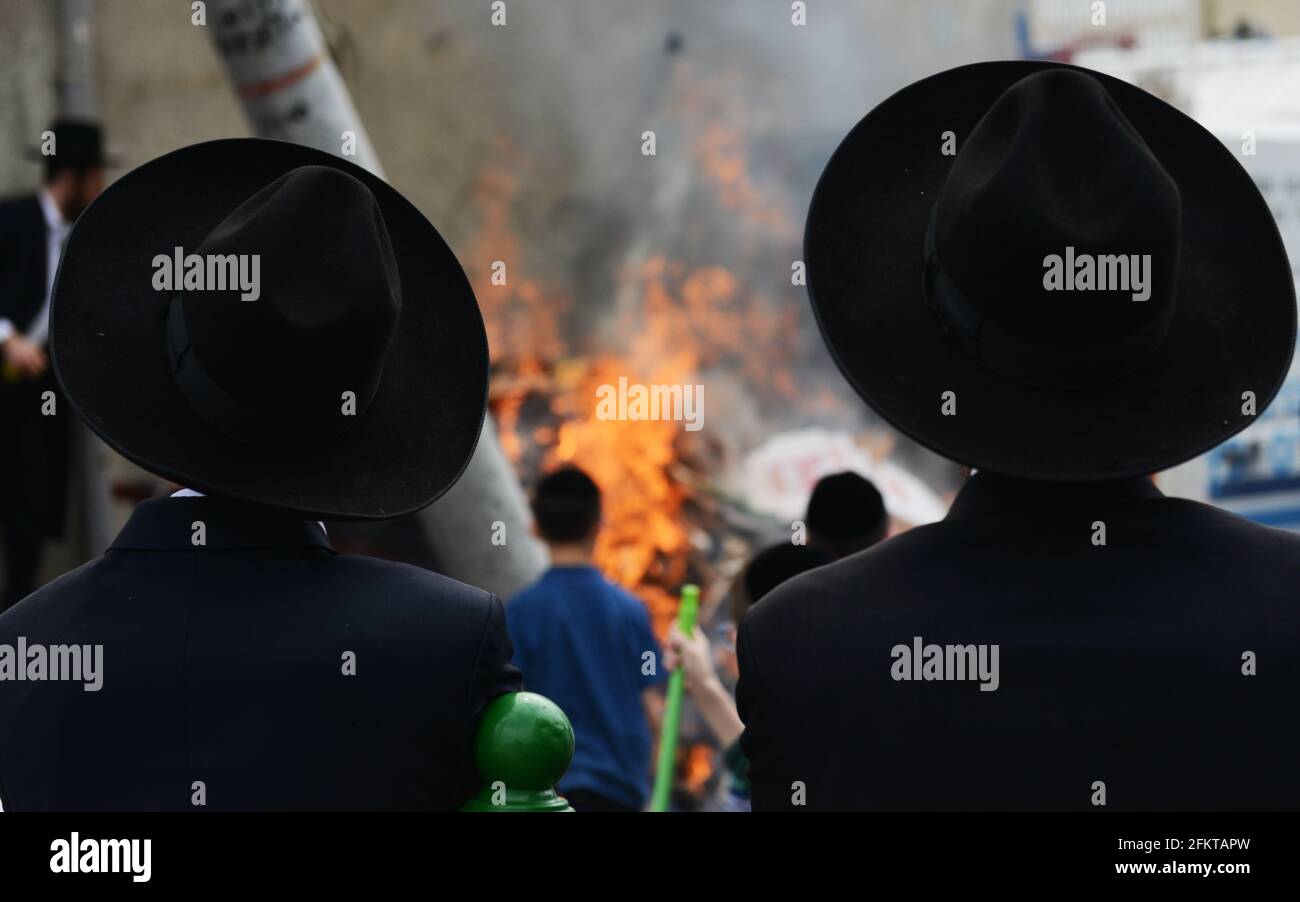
(53, 215)
(56, 232)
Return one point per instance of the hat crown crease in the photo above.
(276, 370)
(1053, 170)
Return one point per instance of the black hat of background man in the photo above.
(353, 387)
(78, 143)
(926, 273)
(846, 508)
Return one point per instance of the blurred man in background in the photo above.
(587, 645)
(34, 448)
(846, 514)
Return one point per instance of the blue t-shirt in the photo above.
(582, 642)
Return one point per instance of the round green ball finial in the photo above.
(522, 748)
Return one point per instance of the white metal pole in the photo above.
(291, 90)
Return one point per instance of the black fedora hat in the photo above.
(340, 371)
(78, 143)
(1085, 291)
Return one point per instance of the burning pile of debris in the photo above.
(666, 520)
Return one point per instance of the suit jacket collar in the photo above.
(986, 494)
(169, 524)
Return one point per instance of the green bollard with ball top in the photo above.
(522, 748)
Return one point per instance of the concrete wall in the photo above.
(27, 52)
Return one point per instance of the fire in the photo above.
(644, 541)
(699, 767)
(686, 322)
(671, 321)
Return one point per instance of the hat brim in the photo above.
(1233, 330)
(109, 349)
(104, 161)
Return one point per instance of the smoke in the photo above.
(745, 108)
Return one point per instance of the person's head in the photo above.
(846, 514)
(768, 569)
(329, 359)
(566, 509)
(74, 169)
(962, 297)
(764, 572)
(72, 185)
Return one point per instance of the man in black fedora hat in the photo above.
(34, 446)
(1089, 291)
(285, 335)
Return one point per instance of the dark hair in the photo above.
(846, 514)
(768, 569)
(566, 505)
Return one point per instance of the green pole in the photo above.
(686, 612)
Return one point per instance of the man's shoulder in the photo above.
(1173, 534)
(541, 598)
(625, 599)
(853, 574)
(15, 208)
(22, 223)
(406, 584)
(418, 610)
(12, 202)
(622, 604)
(43, 600)
(376, 587)
(810, 597)
(529, 597)
(1239, 531)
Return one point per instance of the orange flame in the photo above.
(679, 320)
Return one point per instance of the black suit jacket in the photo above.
(22, 260)
(224, 664)
(1119, 664)
(33, 448)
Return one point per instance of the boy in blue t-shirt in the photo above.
(587, 645)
